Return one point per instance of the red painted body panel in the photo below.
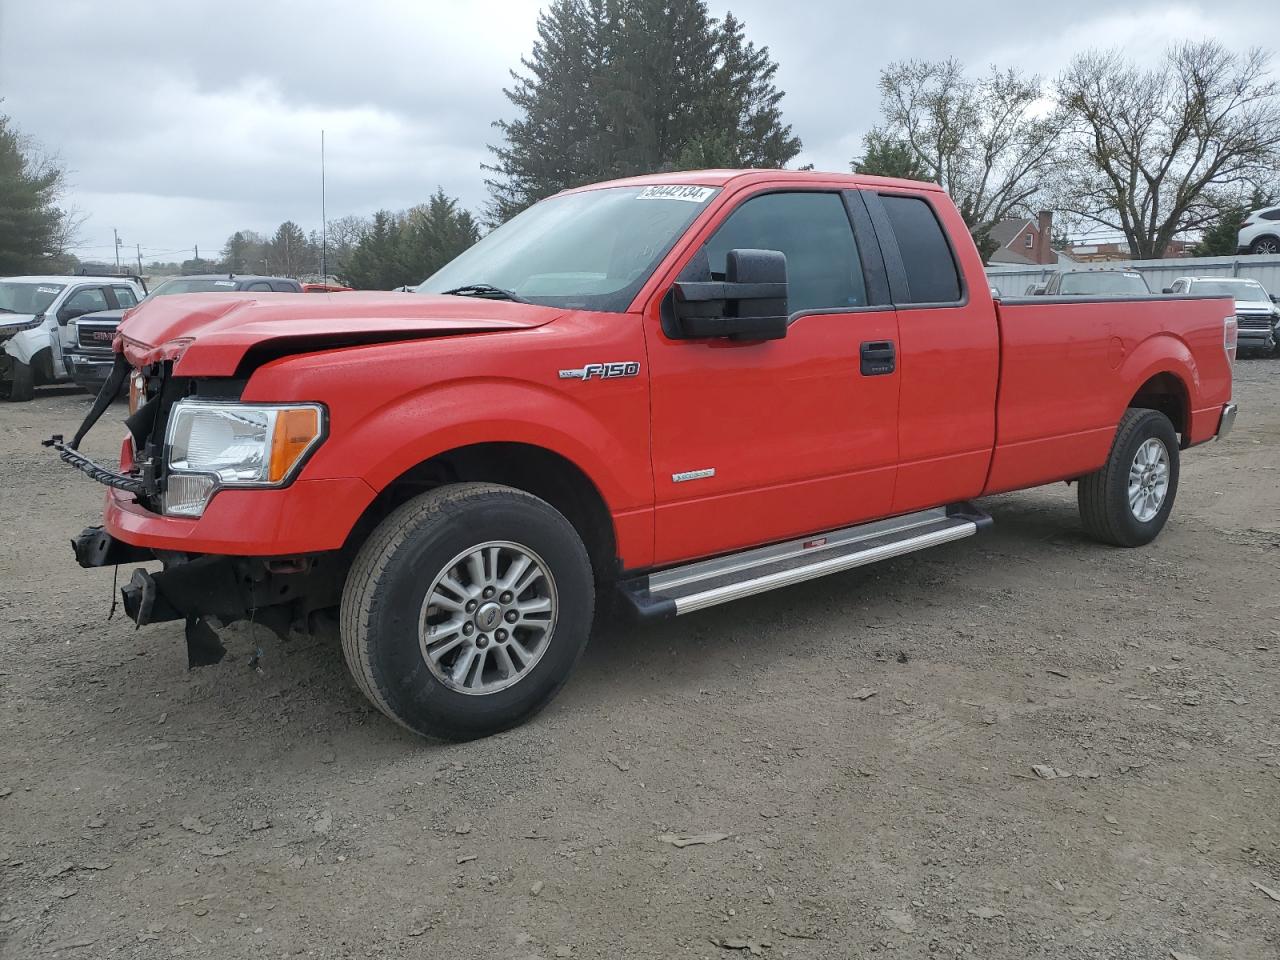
(949, 366)
(1069, 371)
(310, 516)
(983, 399)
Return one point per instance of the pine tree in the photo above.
(884, 156)
(31, 225)
(620, 87)
(373, 263)
(288, 253)
(431, 235)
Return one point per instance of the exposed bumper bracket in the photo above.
(1228, 420)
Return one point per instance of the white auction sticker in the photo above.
(47, 289)
(677, 191)
(224, 283)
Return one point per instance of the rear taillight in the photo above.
(1230, 338)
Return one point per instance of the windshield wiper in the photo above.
(7, 310)
(485, 291)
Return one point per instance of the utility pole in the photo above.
(324, 223)
(138, 247)
(116, 234)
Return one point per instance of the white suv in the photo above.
(1260, 232)
(32, 312)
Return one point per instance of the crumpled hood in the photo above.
(212, 334)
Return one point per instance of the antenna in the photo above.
(324, 223)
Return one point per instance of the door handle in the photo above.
(878, 357)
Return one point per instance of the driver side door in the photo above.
(761, 441)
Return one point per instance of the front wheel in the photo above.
(1266, 245)
(466, 610)
(22, 383)
(1127, 502)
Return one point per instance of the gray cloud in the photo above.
(179, 128)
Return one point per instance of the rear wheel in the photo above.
(1127, 502)
(466, 610)
(22, 382)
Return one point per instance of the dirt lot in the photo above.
(866, 742)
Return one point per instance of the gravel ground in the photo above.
(866, 744)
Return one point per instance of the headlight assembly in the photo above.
(214, 445)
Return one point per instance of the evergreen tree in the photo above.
(374, 263)
(288, 253)
(884, 156)
(31, 225)
(431, 235)
(620, 87)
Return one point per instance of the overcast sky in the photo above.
(178, 128)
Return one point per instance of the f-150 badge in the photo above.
(602, 371)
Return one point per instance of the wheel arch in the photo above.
(1165, 392)
(1163, 376)
(545, 473)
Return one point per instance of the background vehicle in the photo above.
(1260, 232)
(325, 288)
(679, 390)
(1093, 283)
(86, 342)
(1257, 313)
(34, 311)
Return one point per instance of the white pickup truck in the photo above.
(33, 310)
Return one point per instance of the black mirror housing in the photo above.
(1167, 290)
(749, 304)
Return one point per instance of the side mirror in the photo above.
(67, 314)
(749, 304)
(1167, 290)
(1275, 298)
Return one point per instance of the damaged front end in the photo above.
(211, 592)
(205, 591)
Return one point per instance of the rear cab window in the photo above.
(929, 266)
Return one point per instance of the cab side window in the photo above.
(85, 300)
(813, 230)
(125, 297)
(260, 285)
(931, 271)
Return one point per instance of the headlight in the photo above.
(214, 445)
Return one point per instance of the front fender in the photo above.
(24, 345)
(607, 440)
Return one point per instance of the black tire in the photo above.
(1265, 245)
(1104, 495)
(21, 387)
(387, 586)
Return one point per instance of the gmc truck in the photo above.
(669, 392)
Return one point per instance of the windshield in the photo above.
(27, 297)
(1102, 283)
(1240, 289)
(193, 285)
(591, 251)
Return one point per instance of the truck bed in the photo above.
(1099, 352)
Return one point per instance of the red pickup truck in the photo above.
(675, 390)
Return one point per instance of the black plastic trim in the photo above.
(1033, 299)
(875, 277)
(893, 254)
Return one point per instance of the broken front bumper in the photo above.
(206, 590)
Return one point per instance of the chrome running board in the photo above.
(706, 583)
